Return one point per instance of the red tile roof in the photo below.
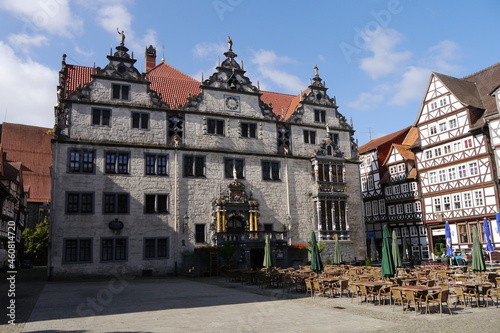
(399, 135)
(281, 103)
(30, 146)
(174, 87)
(77, 76)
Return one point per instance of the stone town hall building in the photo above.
(147, 167)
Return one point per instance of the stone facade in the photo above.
(139, 185)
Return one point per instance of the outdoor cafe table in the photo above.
(375, 285)
(410, 280)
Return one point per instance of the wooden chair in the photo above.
(459, 293)
(319, 288)
(385, 292)
(354, 290)
(413, 297)
(440, 298)
(471, 293)
(340, 286)
(367, 293)
(309, 287)
(398, 297)
(492, 293)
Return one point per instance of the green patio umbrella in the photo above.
(316, 264)
(268, 259)
(478, 263)
(396, 257)
(387, 261)
(337, 258)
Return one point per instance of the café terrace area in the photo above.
(423, 290)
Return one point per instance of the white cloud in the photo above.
(114, 16)
(25, 42)
(267, 63)
(53, 16)
(29, 95)
(385, 59)
(83, 53)
(411, 86)
(205, 50)
(442, 56)
(366, 101)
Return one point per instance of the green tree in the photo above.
(36, 243)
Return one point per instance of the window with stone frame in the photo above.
(140, 120)
(392, 210)
(399, 209)
(417, 206)
(117, 162)
(156, 164)
(156, 248)
(215, 126)
(101, 117)
(248, 130)
(81, 161)
(200, 233)
(388, 190)
(156, 204)
(332, 215)
(404, 188)
(116, 203)
(234, 164)
(79, 202)
(114, 249)
(194, 166)
(77, 250)
(120, 91)
(309, 137)
(270, 170)
(319, 116)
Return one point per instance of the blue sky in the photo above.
(374, 55)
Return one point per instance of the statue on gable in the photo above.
(229, 44)
(122, 34)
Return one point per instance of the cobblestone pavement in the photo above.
(215, 305)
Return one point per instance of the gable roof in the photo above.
(175, 86)
(31, 146)
(465, 91)
(373, 144)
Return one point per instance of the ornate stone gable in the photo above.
(230, 79)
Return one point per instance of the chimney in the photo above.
(150, 58)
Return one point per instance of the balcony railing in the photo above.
(251, 236)
(330, 235)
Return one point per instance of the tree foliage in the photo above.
(36, 243)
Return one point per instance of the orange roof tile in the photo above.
(30, 146)
(400, 135)
(281, 103)
(77, 76)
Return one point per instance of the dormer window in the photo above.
(120, 91)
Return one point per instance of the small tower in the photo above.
(150, 58)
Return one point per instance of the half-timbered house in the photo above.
(454, 157)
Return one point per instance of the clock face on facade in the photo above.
(232, 103)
